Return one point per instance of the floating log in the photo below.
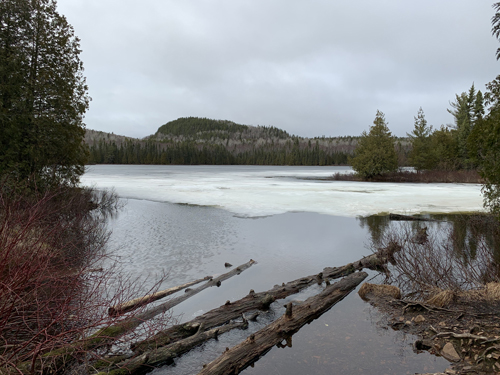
(175, 301)
(253, 301)
(139, 302)
(235, 360)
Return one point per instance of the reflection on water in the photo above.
(192, 241)
(348, 339)
(465, 231)
(446, 252)
(376, 226)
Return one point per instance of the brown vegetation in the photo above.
(368, 289)
(53, 290)
(427, 176)
(452, 291)
(456, 256)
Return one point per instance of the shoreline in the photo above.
(432, 176)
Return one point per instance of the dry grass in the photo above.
(379, 291)
(441, 298)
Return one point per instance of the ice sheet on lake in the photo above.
(260, 191)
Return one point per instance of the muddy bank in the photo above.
(466, 332)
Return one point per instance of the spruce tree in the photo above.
(43, 95)
(422, 155)
(375, 153)
(467, 109)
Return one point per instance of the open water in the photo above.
(187, 221)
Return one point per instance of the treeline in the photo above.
(449, 148)
(195, 140)
(192, 153)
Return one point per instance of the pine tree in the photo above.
(484, 143)
(43, 94)
(422, 155)
(467, 109)
(375, 153)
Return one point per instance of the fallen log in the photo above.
(166, 355)
(57, 360)
(234, 360)
(141, 301)
(253, 301)
(398, 217)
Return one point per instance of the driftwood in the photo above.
(253, 301)
(234, 360)
(139, 302)
(59, 359)
(166, 355)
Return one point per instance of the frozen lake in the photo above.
(189, 220)
(255, 191)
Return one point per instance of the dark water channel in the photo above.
(188, 242)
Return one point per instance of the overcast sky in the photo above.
(316, 67)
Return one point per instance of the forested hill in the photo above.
(196, 128)
(193, 140)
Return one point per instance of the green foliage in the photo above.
(468, 108)
(189, 126)
(375, 153)
(202, 141)
(423, 154)
(495, 22)
(192, 153)
(196, 128)
(485, 146)
(445, 144)
(43, 95)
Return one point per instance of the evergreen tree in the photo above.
(495, 22)
(422, 155)
(445, 145)
(375, 153)
(43, 94)
(467, 109)
(484, 143)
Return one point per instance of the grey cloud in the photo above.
(312, 68)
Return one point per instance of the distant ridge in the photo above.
(195, 140)
(196, 125)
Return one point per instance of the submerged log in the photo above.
(139, 302)
(163, 356)
(235, 360)
(253, 301)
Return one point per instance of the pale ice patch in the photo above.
(260, 191)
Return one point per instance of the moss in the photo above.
(103, 334)
(119, 371)
(103, 363)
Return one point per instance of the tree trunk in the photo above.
(56, 360)
(138, 302)
(235, 360)
(163, 356)
(253, 301)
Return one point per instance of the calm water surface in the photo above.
(188, 242)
